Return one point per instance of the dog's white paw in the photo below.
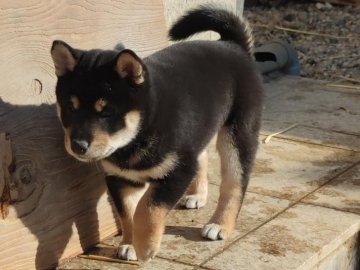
(213, 232)
(194, 201)
(127, 252)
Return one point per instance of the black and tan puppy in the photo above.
(149, 122)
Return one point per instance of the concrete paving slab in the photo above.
(290, 170)
(342, 193)
(325, 137)
(297, 239)
(312, 103)
(183, 242)
(274, 88)
(156, 264)
(312, 135)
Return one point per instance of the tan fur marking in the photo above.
(100, 104)
(104, 145)
(149, 225)
(75, 102)
(196, 195)
(200, 181)
(63, 59)
(131, 197)
(58, 111)
(230, 190)
(67, 143)
(127, 134)
(228, 208)
(157, 172)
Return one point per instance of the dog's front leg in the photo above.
(125, 195)
(150, 214)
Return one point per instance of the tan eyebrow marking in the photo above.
(100, 104)
(75, 102)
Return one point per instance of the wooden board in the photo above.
(58, 206)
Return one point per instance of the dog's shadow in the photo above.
(51, 193)
(189, 233)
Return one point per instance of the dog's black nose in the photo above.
(79, 146)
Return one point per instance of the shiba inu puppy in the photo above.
(149, 121)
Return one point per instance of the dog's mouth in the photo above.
(88, 157)
(103, 144)
(93, 154)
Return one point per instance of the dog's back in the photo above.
(198, 83)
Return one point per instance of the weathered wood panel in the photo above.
(58, 206)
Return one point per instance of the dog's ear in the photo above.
(129, 65)
(64, 57)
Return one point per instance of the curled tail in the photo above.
(228, 25)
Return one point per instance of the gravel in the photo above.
(322, 57)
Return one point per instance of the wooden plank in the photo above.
(59, 206)
(28, 27)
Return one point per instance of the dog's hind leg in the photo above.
(197, 192)
(237, 145)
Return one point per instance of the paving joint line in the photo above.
(176, 261)
(276, 215)
(308, 203)
(331, 179)
(204, 267)
(271, 196)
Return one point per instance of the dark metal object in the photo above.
(277, 55)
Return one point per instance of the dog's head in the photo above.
(96, 99)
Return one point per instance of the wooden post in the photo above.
(53, 206)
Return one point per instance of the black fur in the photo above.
(191, 90)
(228, 25)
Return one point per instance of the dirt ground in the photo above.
(330, 48)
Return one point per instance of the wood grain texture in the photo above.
(28, 28)
(59, 206)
